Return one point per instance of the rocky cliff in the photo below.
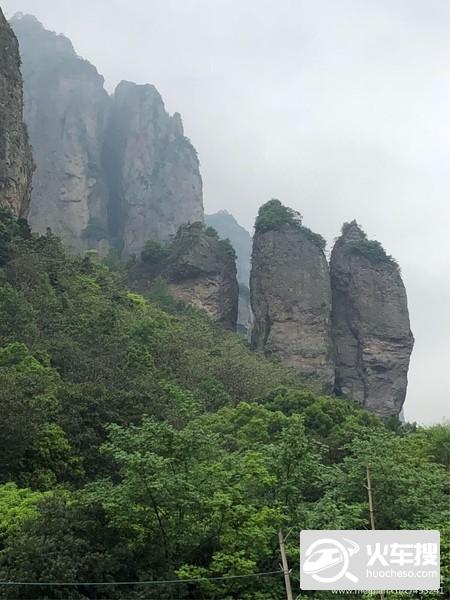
(201, 271)
(16, 163)
(228, 228)
(65, 104)
(370, 322)
(291, 295)
(110, 170)
(151, 166)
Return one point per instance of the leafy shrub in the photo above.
(9, 229)
(211, 232)
(373, 251)
(153, 253)
(185, 240)
(313, 237)
(188, 237)
(370, 249)
(273, 215)
(225, 248)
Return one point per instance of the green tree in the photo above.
(153, 253)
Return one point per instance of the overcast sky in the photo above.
(340, 108)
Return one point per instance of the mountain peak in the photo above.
(111, 170)
(44, 41)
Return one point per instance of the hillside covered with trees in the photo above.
(141, 443)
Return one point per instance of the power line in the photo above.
(156, 582)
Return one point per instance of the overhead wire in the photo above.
(148, 582)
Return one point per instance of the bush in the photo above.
(211, 232)
(373, 251)
(153, 253)
(313, 237)
(273, 215)
(225, 248)
(9, 229)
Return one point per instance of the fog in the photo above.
(339, 109)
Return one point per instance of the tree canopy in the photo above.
(139, 442)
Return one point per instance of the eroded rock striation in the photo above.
(16, 163)
(370, 321)
(111, 171)
(201, 271)
(291, 294)
(152, 168)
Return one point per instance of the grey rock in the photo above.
(16, 163)
(291, 301)
(152, 167)
(202, 272)
(370, 321)
(110, 170)
(228, 228)
(65, 104)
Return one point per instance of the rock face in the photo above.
(152, 168)
(370, 322)
(64, 109)
(228, 228)
(110, 170)
(245, 314)
(291, 299)
(16, 163)
(202, 272)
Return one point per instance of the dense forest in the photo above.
(141, 443)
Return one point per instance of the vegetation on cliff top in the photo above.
(370, 249)
(186, 241)
(273, 216)
(373, 251)
(142, 444)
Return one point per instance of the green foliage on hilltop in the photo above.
(139, 442)
(314, 237)
(273, 216)
(188, 237)
(373, 251)
(370, 249)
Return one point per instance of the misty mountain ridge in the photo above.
(117, 175)
(111, 171)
